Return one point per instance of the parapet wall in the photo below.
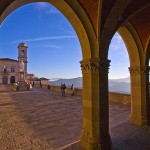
(119, 98)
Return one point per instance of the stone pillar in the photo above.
(95, 132)
(139, 95)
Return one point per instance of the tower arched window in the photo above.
(22, 52)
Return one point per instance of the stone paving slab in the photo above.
(39, 118)
(43, 120)
(130, 137)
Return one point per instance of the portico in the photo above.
(95, 23)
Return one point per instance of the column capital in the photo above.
(95, 65)
(135, 70)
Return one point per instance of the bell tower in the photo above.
(22, 55)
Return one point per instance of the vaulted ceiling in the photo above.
(136, 12)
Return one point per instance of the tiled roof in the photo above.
(7, 59)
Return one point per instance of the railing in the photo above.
(120, 98)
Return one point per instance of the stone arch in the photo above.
(138, 75)
(82, 25)
(76, 16)
(133, 44)
(110, 25)
(137, 57)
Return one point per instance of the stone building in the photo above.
(9, 68)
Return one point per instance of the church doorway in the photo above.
(12, 79)
(5, 78)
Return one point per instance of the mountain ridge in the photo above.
(121, 85)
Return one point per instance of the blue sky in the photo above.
(54, 49)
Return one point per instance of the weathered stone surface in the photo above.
(38, 120)
(43, 120)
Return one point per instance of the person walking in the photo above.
(72, 89)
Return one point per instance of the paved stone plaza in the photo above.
(43, 120)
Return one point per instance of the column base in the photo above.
(88, 142)
(138, 120)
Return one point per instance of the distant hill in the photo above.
(115, 85)
(119, 85)
(76, 81)
(121, 80)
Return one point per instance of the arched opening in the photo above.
(119, 77)
(81, 23)
(12, 79)
(119, 88)
(73, 107)
(136, 57)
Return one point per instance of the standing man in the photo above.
(72, 88)
(64, 90)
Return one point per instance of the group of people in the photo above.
(63, 89)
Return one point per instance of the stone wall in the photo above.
(119, 98)
(68, 90)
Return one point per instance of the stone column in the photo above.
(140, 107)
(95, 132)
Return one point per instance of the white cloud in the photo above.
(48, 46)
(46, 38)
(53, 11)
(41, 5)
(45, 6)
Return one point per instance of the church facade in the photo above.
(9, 68)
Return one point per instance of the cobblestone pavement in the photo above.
(43, 120)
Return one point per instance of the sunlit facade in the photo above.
(9, 68)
